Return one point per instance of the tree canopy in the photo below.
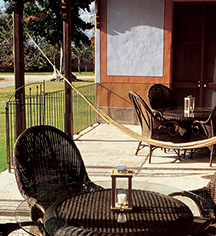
(50, 26)
(6, 42)
(43, 21)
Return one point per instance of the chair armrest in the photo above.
(205, 208)
(158, 115)
(197, 125)
(37, 210)
(172, 126)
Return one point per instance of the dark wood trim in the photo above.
(66, 4)
(17, 7)
(97, 13)
(203, 57)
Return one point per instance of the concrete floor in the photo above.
(103, 148)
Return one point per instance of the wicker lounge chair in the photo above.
(48, 166)
(160, 96)
(153, 125)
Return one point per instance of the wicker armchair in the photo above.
(205, 129)
(205, 200)
(160, 96)
(48, 167)
(153, 125)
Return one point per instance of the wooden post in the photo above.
(17, 7)
(97, 12)
(66, 10)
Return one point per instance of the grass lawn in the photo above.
(4, 96)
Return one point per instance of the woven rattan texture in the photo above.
(160, 96)
(153, 125)
(47, 164)
(90, 214)
(205, 198)
(207, 193)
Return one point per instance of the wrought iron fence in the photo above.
(49, 109)
(81, 108)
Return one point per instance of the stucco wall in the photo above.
(135, 37)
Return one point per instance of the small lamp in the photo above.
(121, 202)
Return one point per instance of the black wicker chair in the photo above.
(160, 96)
(205, 200)
(48, 167)
(154, 126)
(205, 129)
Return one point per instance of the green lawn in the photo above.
(4, 96)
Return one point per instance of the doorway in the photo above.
(194, 52)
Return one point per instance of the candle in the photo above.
(121, 198)
(121, 218)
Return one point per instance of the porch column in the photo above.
(66, 10)
(17, 7)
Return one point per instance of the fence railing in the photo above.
(49, 109)
(81, 108)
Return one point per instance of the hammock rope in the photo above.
(129, 132)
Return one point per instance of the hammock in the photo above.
(131, 133)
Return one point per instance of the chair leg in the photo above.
(211, 156)
(150, 153)
(185, 150)
(178, 153)
(192, 151)
(140, 146)
(151, 149)
(211, 149)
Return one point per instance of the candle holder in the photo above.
(189, 105)
(121, 202)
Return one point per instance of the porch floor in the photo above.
(103, 147)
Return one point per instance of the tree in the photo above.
(34, 61)
(83, 52)
(43, 21)
(6, 41)
(50, 28)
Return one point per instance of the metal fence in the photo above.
(49, 109)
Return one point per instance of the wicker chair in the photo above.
(160, 96)
(205, 200)
(205, 129)
(153, 125)
(48, 167)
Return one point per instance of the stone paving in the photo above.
(103, 147)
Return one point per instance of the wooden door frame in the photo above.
(202, 85)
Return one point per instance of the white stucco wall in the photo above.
(135, 37)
